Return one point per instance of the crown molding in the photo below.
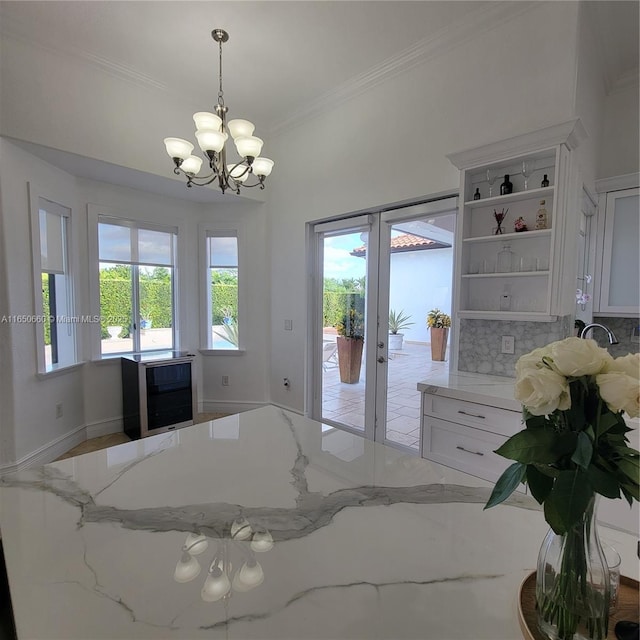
(617, 183)
(473, 26)
(570, 133)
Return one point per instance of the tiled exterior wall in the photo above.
(622, 327)
(481, 342)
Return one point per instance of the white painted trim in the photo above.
(570, 133)
(104, 427)
(48, 452)
(618, 183)
(223, 406)
(284, 407)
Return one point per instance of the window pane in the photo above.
(114, 242)
(223, 252)
(155, 247)
(52, 241)
(224, 308)
(156, 307)
(116, 319)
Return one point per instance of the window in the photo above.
(53, 286)
(136, 284)
(222, 290)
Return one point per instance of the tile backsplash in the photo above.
(481, 343)
(623, 328)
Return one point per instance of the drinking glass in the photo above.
(491, 178)
(527, 170)
(613, 563)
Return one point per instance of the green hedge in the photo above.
(335, 305)
(223, 296)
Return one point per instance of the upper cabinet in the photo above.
(619, 254)
(511, 262)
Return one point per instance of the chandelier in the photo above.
(212, 133)
(224, 576)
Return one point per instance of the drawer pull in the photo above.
(473, 415)
(475, 453)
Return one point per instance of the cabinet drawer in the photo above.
(463, 448)
(481, 416)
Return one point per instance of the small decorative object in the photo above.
(476, 195)
(499, 219)
(397, 321)
(505, 259)
(527, 170)
(573, 448)
(545, 181)
(505, 299)
(491, 179)
(506, 187)
(439, 323)
(350, 342)
(541, 216)
(520, 224)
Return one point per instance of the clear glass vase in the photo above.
(572, 583)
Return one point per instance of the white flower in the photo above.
(531, 360)
(620, 391)
(629, 364)
(578, 357)
(542, 391)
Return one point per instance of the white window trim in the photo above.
(35, 195)
(205, 229)
(117, 216)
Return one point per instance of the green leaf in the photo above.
(583, 452)
(603, 483)
(538, 445)
(534, 422)
(607, 421)
(539, 483)
(506, 484)
(627, 495)
(568, 500)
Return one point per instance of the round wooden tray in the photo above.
(627, 608)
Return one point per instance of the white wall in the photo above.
(390, 144)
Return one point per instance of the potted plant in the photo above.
(145, 319)
(439, 323)
(350, 342)
(397, 321)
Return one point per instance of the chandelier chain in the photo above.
(220, 91)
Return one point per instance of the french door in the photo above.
(363, 267)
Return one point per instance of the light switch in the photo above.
(288, 325)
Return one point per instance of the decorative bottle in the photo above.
(476, 195)
(541, 216)
(505, 299)
(505, 259)
(506, 187)
(545, 181)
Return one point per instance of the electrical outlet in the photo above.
(635, 335)
(286, 383)
(225, 381)
(508, 344)
(288, 325)
(59, 411)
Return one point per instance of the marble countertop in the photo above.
(368, 542)
(496, 391)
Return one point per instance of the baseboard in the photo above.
(217, 406)
(48, 452)
(286, 408)
(104, 427)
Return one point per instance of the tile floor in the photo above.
(344, 403)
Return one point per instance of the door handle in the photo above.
(472, 415)
(475, 453)
(381, 359)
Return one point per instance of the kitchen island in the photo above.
(319, 534)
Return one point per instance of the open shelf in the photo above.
(529, 194)
(506, 315)
(507, 274)
(521, 235)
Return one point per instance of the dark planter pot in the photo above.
(350, 359)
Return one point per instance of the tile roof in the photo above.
(406, 242)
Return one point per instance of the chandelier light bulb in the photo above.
(178, 148)
(239, 173)
(196, 543)
(187, 568)
(262, 166)
(262, 541)
(249, 577)
(240, 127)
(206, 120)
(191, 165)
(216, 585)
(210, 140)
(249, 146)
(240, 529)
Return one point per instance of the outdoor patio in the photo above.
(345, 402)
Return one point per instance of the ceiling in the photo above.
(283, 59)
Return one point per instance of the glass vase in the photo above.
(572, 583)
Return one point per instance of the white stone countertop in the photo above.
(370, 542)
(495, 391)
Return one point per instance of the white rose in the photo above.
(620, 391)
(542, 391)
(578, 357)
(531, 360)
(629, 364)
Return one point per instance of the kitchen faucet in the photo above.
(610, 334)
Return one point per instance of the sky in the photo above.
(337, 261)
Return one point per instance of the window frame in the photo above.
(221, 229)
(57, 205)
(100, 214)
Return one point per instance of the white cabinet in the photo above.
(538, 281)
(619, 230)
(464, 435)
